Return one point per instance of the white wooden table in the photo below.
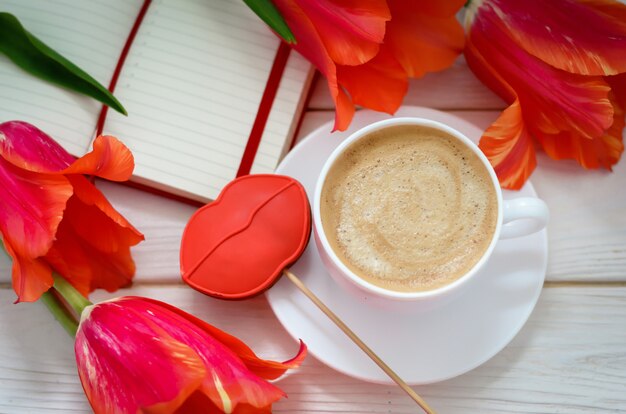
(570, 357)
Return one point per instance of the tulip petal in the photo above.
(603, 151)
(508, 146)
(229, 382)
(92, 247)
(351, 30)
(379, 84)
(421, 37)
(311, 46)
(570, 35)
(618, 87)
(30, 277)
(87, 268)
(437, 8)
(487, 74)
(92, 250)
(552, 100)
(200, 403)
(110, 159)
(113, 230)
(344, 111)
(611, 9)
(309, 43)
(263, 368)
(32, 206)
(81, 261)
(29, 148)
(128, 363)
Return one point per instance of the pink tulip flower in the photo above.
(53, 218)
(560, 65)
(141, 355)
(368, 49)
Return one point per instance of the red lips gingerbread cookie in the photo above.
(238, 245)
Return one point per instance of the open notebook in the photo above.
(192, 83)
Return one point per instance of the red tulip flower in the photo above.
(368, 49)
(140, 355)
(560, 65)
(53, 218)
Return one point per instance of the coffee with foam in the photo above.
(409, 208)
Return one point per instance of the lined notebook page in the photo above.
(192, 85)
(91, 34)
(282, 121)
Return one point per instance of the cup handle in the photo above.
(523, 216)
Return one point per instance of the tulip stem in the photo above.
(61, 314)
(72, 296)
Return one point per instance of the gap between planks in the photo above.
(143, 283)
(583, 283)
(547, 284)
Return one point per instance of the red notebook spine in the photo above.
(265, 106)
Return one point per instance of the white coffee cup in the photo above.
(515, 218)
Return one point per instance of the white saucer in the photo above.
(420, 345)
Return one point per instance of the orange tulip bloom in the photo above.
(368, 49)
(561, 67)
(141, 355)
(53, 218)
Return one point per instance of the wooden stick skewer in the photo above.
(296, 281)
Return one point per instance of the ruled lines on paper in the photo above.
(192, 84)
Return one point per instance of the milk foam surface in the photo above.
(409, 208)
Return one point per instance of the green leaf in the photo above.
(266, 10)
(32, 55)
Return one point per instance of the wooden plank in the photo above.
(554, 364)
(587, 233)
(453, 88)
